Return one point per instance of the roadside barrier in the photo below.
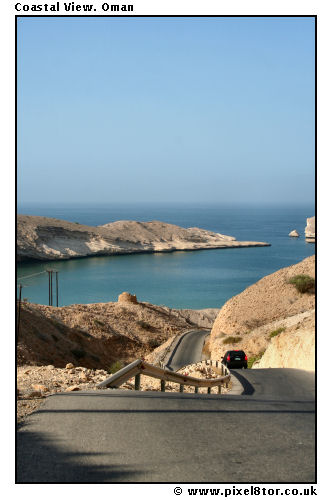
(140, 366)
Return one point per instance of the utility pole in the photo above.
(51, 304)
(19, 309)
(50, 286)
(56, 273)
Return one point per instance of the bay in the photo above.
(196, 279)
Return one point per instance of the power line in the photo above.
(30, 275)
(50, 273)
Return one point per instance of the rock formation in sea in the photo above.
(310, 230)
(42, 238)
(294, 234)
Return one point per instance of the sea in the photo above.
(192, 279)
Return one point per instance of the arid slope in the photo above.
(248, 320)
(95, 335)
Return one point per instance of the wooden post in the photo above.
(162, 385)
(196, 389)
(181, 388)
(137, 382)
(19, 309)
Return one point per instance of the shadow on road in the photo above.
(50, 462)
(248, 387)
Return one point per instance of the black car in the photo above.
(235, 359)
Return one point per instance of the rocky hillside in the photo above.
(96, 335)
(42, 238)
(293, 348)
(270, 307)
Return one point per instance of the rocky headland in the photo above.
(43, 238)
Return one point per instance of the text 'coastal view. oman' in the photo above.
(166, 249)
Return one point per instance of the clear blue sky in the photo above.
(166, 109)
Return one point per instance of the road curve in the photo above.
(187, 350)
(265, 435)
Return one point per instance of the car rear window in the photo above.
(237, 354)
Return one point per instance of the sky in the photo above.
(204, 110)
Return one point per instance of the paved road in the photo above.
(264, 435)
(187, 350)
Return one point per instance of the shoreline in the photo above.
(240, 244)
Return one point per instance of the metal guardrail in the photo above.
(140, 366)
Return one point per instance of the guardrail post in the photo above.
(220, 389)
(181, 388)
(208, 390)
(217, 364)
(211, 363)
(196, 389)
(137, 382)
(162, 385)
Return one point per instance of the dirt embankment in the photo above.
(43, 238)
(293, 348)
(93, 335)
(252, 319)
(96, 335)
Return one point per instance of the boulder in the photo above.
(294, 234)
(69, 366)
(34, 394)
(40, 388)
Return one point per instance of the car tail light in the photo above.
(245, 357)
(228, 357)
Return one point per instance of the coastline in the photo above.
(48, 239)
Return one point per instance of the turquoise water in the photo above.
(199, 279)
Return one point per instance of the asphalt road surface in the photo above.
(188, 350)
(266, 434)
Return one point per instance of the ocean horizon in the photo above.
(193, 279)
